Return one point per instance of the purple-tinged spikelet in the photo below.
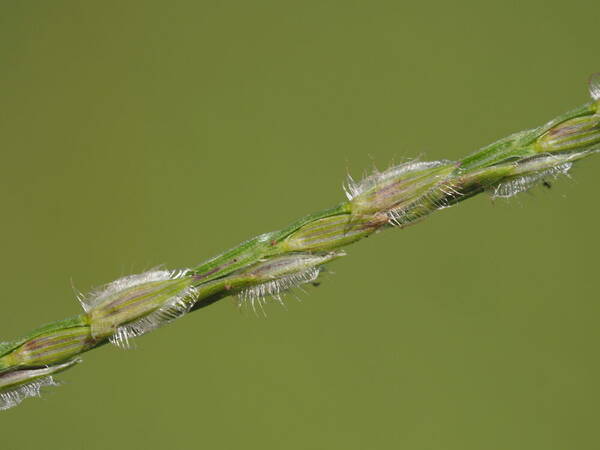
(134, 305)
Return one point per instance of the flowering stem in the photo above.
(274, 262)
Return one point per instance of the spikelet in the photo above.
(273, 277)
(175, 308)
(16, 395)
(439, 196)
(134, 305)
(521, 183)
(353, 189)
(18, 385)
(111, 289)
(257, 295)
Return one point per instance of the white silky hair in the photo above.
(594, 86)
(353, 188)
(96, 297)
(521, 183)
(176, 307)
(12, 396)
(256, 296)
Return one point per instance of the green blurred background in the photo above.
(135, 134)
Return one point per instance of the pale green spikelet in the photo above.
(134, 305)
(275, 276)
(17, 385)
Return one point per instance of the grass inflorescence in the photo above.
(272, 263)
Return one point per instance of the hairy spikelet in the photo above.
(256, 296)
(175, 308)
(440, 196)
(102, 293)
(18, 385)
(135, 305)
(353, 189)
(521, 183)
(13, 397)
